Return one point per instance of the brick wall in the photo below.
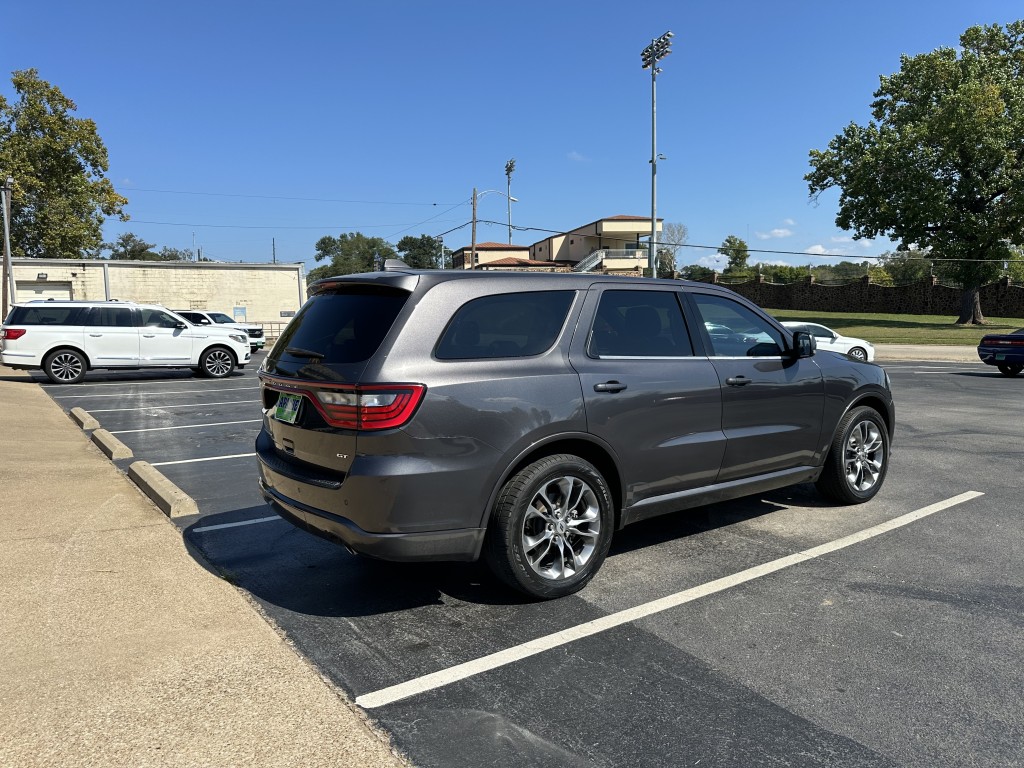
(927, 297)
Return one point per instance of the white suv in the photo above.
(68, 338)
(205, 317)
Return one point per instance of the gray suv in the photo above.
(523, 418)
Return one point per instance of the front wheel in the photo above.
(65, 366)
(216, 363)
(1010, 370)
(551, 527)
(858, 353)
(858, 458)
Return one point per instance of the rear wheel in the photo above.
(1010, 370)
(858, 458)
(216, 363)
(551, 527)
(65, 366)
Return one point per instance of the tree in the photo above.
(350, 253)
(421, 252)
(175, 254)
(940, 165)
(673, 237)
(130, 246)
(697, 272)
(61, 197)
(735, 249)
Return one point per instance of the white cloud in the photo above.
(576, 157)
(816, 250)
(841, 239)
(775, 233)
(789, 222)
(866, 243)
(711, 262)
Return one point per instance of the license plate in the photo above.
(1000, 357)
(287, 409)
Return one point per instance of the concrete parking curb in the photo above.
(110, 445)
(171, 500)
(83, 419)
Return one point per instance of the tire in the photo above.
(65, 366)
(1010, 369)
(551, 527)
(216, 363)
(858, 353)
(858, 458)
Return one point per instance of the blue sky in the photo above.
(239, 123)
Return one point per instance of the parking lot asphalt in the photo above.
(774, 630)
(121, 646)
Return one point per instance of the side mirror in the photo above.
(804, 344)
(180, 324)
(204, 321)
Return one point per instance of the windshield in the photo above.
(220, 317)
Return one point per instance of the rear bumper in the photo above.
(997, 356)
(459, 544)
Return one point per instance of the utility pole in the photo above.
(649, 57)
(10, 293)
(510, 166)
(273, 246)
(472, 249)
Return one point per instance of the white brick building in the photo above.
(266, 294)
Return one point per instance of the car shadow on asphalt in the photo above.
(289, 568)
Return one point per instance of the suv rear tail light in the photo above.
(997, 342)
(12, 333)
(356, 406)
(377, 406)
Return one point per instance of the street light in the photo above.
(9, 287)
(649, 57)
(477, 196)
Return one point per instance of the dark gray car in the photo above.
(449, 415)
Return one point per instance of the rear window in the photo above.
(344, 326)
(49, 315)
(505, 325)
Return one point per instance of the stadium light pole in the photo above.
(649, 57)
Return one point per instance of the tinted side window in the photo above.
(505, 325)
(639, 324)
(346, 325)
(734, 330)
(46, 316)
(155, 318)
(111, 317)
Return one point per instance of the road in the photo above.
(706, 639)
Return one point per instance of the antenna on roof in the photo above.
(395, 265)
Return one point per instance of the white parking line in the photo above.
(46, 384)
(451, 675)
(186, 426)
(193, 461)
(162, 407)
(143, 394)
(222, 526)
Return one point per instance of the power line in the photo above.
(277, 197)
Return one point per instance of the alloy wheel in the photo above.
(864, 456)
(218, 363)
(66, 367)
(561, 528)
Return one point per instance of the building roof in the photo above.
(512, 261)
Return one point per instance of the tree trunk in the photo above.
(970, 308)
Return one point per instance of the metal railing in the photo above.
(597, 257)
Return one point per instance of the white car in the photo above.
(828, 339)
(67, 338)
(205, 317)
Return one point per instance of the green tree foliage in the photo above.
(61, 196)
(941, 165)
(175, 254)
(697, 272)
(421, 252)
(130, 246)
(350, 253)
(908, 266)
(735, 249)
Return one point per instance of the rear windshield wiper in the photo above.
(300, 352)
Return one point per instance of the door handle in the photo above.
(95, 335)
(737, 381)
(149, 335)
(609, 386)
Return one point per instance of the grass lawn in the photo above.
(903, 329)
